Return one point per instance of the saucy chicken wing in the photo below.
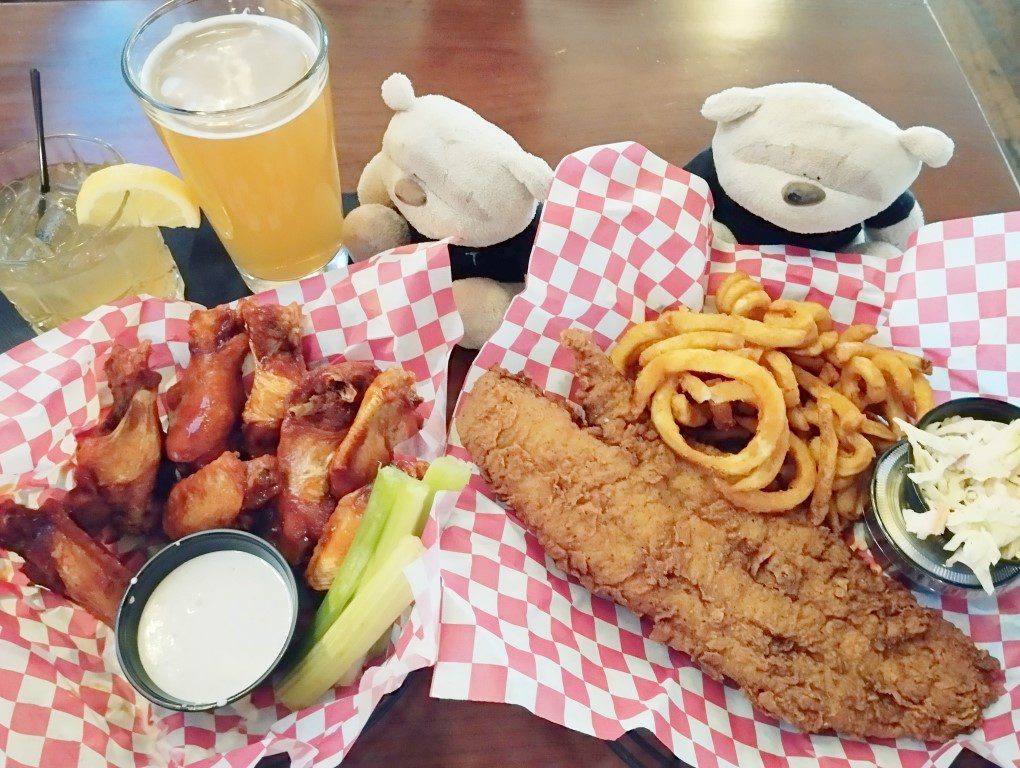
(274, 333)
(386, 418)
(206, 402)
(218, 495)
(338, 535)
(117, 463)
(321, 411)
(62, 557)
(336, 539)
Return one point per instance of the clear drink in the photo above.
(238, 91)
(53, 269)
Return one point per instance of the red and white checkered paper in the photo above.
(62, 700)
(625, 232)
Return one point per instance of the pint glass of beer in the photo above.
(238, 90)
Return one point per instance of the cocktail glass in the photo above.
(53, 269)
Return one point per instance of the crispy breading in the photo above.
(782, 607)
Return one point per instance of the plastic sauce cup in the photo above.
(158, 568)
(923, 561)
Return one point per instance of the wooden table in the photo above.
(559, 75)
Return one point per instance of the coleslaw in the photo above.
(968, 473)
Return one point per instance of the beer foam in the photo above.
(227, 63)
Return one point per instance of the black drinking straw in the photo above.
(44, 171)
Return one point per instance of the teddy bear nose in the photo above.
(803, 193)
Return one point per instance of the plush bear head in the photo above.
(452, 173)
(810, 158)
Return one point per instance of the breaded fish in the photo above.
(782, 607)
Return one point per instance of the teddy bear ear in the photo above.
(929, 145)
(731, 104)
(397, 92)
(533, 172)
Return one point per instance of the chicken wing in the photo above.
(338, 534)
(218, 495)
(781, 606)
(206, 403)
(386, 418)
(321, 411)
(117, 463)
(274, 332)
(62, 557)
(336, 538)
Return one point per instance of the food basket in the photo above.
(62, 701)
(625, 233)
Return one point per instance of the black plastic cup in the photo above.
(920, 561)
(153, 572)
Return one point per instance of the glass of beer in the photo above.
(238, 91)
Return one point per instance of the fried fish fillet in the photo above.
(782, 607)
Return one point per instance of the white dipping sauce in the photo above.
(214, 625)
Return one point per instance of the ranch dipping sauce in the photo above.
(214, 626)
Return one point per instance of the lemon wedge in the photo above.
(155, 198)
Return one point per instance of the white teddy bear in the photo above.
(806, 164)
(445, 172)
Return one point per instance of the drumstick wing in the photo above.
(321, 410)
(62, 557)
(274, 332)
(386, 418)
(206, 402)
(782, 607)
(116, 465)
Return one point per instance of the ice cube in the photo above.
(59, 223)
(19, 211)
(68, 177)
(27, 249)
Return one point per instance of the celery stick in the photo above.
(380, 502)
(375, 606)
(444, 474)
(402, 522)
(353, 672)
(380, 645)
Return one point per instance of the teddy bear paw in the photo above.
(372, 228)
(482, 303)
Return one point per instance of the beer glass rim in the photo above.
(30, 145)
(125, 63)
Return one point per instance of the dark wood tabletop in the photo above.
(559, 75)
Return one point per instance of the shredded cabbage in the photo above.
(968, 473)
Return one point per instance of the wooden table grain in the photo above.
(559, 75)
